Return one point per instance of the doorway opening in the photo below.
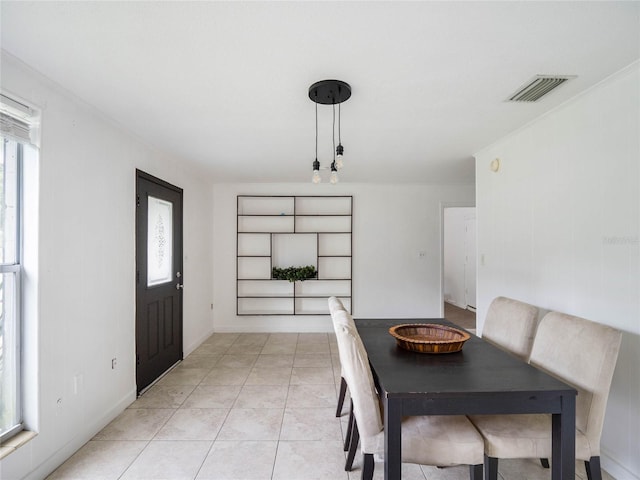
(459, 265)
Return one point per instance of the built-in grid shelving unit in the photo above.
(284, 231)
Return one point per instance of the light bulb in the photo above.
(316, 171)
(334, 173)
(339, 153)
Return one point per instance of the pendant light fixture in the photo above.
(330, 92)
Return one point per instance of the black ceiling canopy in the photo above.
(329, 92)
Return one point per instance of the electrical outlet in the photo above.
(114, 362)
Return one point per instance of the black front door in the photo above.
(158, 277)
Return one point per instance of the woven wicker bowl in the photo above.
(429, 338)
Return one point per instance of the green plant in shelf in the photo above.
(293, 274)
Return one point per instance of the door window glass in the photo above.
(159, 242)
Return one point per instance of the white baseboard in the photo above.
(616, 469)
(276, 324)
(64, 452)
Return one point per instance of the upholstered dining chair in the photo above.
(351, 436)
(511, 326)
(440, 440)
(579, 352)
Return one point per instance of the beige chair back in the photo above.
(583, 354)
(335, 305)
(511, 325)
(339, 315)
(357, 373)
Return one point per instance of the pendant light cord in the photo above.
(339, 136)
(316, 131)
(334, 131)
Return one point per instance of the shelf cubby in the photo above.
(255, 244)
(265, 306)
(265, 223)
(323, 223)
(334, 244)
(250, 268)
(261, 288)
(323, 288)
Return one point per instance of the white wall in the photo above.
(559, 227)
(392, 224)
(455, 252)
(85, 312)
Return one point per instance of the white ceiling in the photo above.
(225, 84)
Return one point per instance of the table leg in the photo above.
(392, 439)
(564, 440)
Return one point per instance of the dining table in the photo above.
(480, 379)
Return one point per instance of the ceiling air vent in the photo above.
(538, 87)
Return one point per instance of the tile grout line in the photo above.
(286, 400)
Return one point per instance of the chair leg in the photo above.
(592, 466)
(343, 392)
(352, 419)
(353, 446)
(368, 466)
(544, 462)
(475, 472)
(490, 468)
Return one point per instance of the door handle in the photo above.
(179, 286)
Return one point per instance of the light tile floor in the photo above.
(246, 407)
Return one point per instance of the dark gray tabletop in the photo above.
(479, 369)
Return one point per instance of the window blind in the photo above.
(17, 120)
